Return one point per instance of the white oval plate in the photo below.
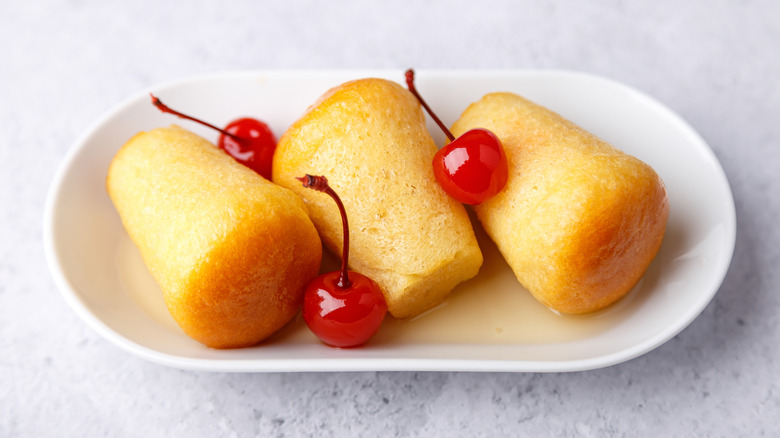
(491, 323)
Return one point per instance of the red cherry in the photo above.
(248, 140)
(342, 308)
(471, 168)
(343, 317)
(251, 143)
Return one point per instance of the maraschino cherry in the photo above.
(471, 168)
(248, 140)
(343, 308)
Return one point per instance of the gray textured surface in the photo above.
(63, 63)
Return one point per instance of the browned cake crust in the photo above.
(369, 138)
(231, 251)
(579, 221)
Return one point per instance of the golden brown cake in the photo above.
(231, 251)
(369, 138)
(579, 221)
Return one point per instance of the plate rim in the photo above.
(331, 364)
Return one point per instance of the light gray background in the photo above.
(64, 63)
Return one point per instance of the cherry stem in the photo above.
(164, 108)
(320, 183)
(410, 85)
